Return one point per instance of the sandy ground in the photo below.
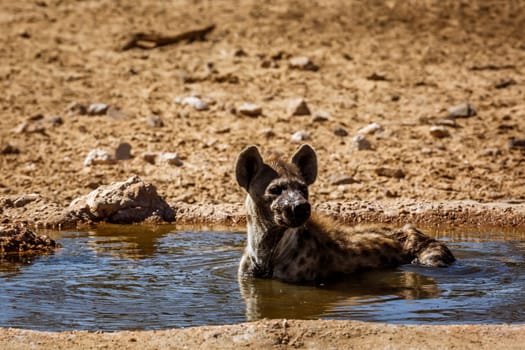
(400, 65)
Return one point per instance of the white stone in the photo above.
(250, 109)
(194, 101)
(370, 129)
(97, 109)
(99, 156)
(170, 158)
(464, 110)
(439, 131)
(302, 62)
(300, 136)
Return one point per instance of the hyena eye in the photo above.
(275, 190)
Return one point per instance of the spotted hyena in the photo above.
(287, 242)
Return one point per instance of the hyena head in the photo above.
(278, 189)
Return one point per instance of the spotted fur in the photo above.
(286, 242)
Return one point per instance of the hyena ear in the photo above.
(248, 164)
(306, 160)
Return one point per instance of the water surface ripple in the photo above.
(144, 278)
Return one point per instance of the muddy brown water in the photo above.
(137, 278)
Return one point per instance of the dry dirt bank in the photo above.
(280, 334)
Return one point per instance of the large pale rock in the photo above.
(123, 202)
(99, 156)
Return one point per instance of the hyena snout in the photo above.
(291, 210)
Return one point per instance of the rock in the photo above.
(377, 77)
(268, 133)
(30, 128)
(116, 113)
(76, 108)
(300, 136)
(340, 131)
(97, 109)
(390, 172)
(155, 122)
(490, 152)
(439, 131)
(170, 158)
(464, 110)
(99, 156)
(390, 194)
(25, 199)
(223, 130)
(16, 241)
(370, 129)
(9, 149)
(149, 157)
(341, 180)
(517, 144)
(54, 121)
(447, 122)
(320, 116)
(502, 84)
(250, 110)
(122, 202)
(194, 101)
(297, 106)
(361, 143)
(123, 151)
(303, 63)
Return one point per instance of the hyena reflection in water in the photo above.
(288, 243)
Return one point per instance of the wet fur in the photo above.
(320, 248)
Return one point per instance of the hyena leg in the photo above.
(422, 249)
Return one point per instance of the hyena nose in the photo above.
(301, 211)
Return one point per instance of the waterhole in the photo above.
(134, 277)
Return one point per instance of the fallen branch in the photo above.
(151, 41)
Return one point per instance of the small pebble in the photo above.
(340, 131)
(320, 116)
(447, 122)
(300, 136)
(123, 151)
(517, 144)
(297, 106)
(76, 108)
(9, 149)
(370, 129)
(25, 199)
(170, 159)
(155, 122)
(99, 156)
(223, 130)
(490, 152)
(390, 172)
(464, 110)
(439, 131)
(97, 109)
(250, 110)
(55, 121)
(268, 133)
(196, 102)
(361, 143)
(149, 157)
(303, 63)
(337, 180)
(116, 113)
